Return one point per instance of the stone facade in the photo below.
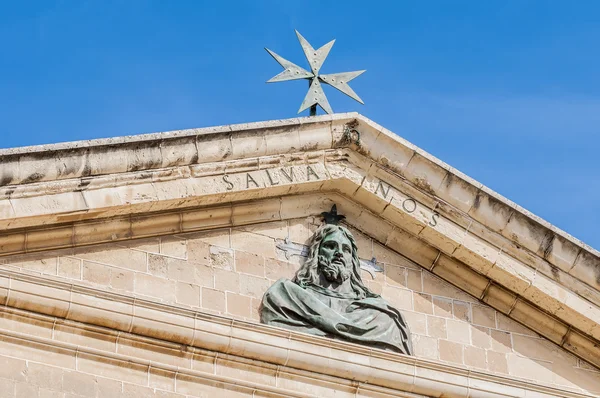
(102, 299)
(226, 271)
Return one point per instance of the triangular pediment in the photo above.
(186, 218)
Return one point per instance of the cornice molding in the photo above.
(403, 197)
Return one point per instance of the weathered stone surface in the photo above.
(119, 190)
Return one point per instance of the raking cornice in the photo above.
(62, 196)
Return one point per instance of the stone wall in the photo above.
(226, 272)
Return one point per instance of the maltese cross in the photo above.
(315, 95)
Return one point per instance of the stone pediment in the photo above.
(118, 190)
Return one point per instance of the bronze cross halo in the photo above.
(316, 95)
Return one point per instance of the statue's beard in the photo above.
(334, 271)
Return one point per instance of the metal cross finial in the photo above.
(315, 95)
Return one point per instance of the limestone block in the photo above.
(36, 352)
(385, 148)
(239, 305)
(461, 276)
(253, 286)
(450, 351)
(21, 322)
(545, 293)
(571, 310)
(13, 369)
(4, 283)
(114, 256)
(257, 372)
(161, 379)
(539, 321)
(526, 232)
(442, 307)
(75, 333)
(278, 141)
(104, 231)
(213, 147)
(395, 276)
(167, 353)
(9, 172)
(111, 368)
(422, 303)
(38, 298)
(183, 188)
(95, 310)
(475, 357)
(436, 327)
(188, 294)
(164, 325)
(499, 298)
(583, 346)
(511, 273)
(49, 204)
(462, 311)
(179, 151)
(24, 390)
(562, 253)
(50, 238)
(52, 165)
(411, 247)
(249, 144)
(206, 219)
(264, 211)
(315, 136)
(454, 385)
(80, 384)
(173, 246)
(213, 300)
(249, 263)
(477, 253)
(152, 286)
(6, 210)
(221, 258)
(490, 211)
(96, 273)
(108, 159)
(399, 298)
(156, 225)
(190, 386)
(365, 192)
(458, 192)
(458, 332)
(442, 233)
(587, 269)
(401, 211)
(425, 347)
(424, 173)
(501, 341)
(144, 155)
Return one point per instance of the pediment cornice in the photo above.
(62, 195)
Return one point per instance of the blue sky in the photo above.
(506, 91)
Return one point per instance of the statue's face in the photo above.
(335, 257)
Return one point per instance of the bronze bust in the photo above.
(327, 297)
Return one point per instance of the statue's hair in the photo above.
(309, 271)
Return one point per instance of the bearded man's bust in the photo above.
(328, 298)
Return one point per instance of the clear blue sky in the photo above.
(506, 91)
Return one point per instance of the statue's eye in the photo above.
(347, 249)
(330, 245)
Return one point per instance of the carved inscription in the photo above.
(409, 205)
(287, 175)
(273, 177)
